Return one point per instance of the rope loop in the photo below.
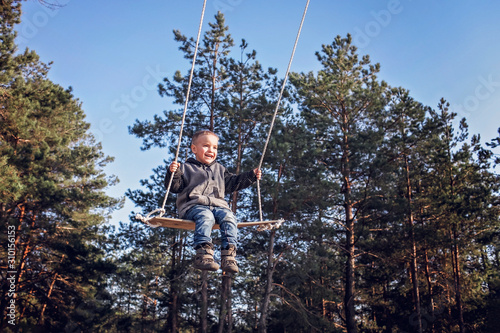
(271, 226)
(145, 219)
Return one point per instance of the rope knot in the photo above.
(271, 226)
(147, 218)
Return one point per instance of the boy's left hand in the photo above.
(258, 173)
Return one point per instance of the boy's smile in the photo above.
(205, 148)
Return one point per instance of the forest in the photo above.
(391, 208)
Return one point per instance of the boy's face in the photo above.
(205, 148)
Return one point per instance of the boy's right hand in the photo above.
(174, 166)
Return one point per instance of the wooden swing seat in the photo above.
(168, 222)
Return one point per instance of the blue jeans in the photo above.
(205, 217)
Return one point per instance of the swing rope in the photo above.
(276, 110)
(161, 210)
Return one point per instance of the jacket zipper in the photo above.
(208, 183)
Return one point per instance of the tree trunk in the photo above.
(204, 302)
(214, 86)
(172, 319)
(413, 255)
(449, 302)
(429, 288)
(458, 282)
(271, 264)
(41, 319)
(350, 312)
(225, 307)
(349, 273)
(269, 285)
(234, 196)
(229, 306)
(455, 258)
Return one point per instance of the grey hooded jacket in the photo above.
(201, 184)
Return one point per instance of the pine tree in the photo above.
(340, 106)
(404, 152)
(464, 189)
(52, 196)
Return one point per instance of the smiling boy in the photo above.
(201, 184)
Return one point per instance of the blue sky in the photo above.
(114, 53)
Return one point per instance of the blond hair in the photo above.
(202, 132)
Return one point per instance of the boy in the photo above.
(201, 185)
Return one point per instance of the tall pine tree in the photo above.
(340, 106)
(52, 196)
